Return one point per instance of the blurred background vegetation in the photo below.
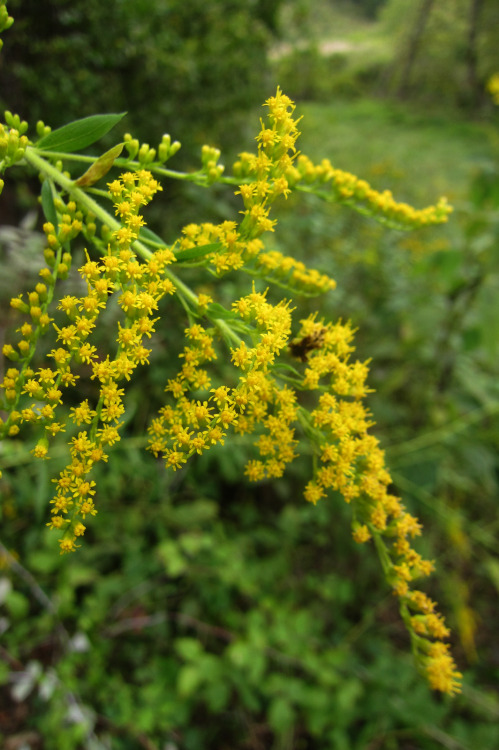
(203, 613)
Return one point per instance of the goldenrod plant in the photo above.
(294, 385)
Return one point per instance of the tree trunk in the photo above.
(471, 55)
(414, 43)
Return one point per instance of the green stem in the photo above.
(383, 555)
(438, 435)
(199, 177)
(483, 536)
(227, 331)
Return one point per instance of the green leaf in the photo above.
(17, 604)
(48, 203)
(147, 234)
(492, 568)
(239, 653)
(193, 542)
(189, 649)
(172, 557)
(214, 310)
(4, 673)
(100, 168)
(218, 696)
(198, 512)
(285, 368)
(189, 678)
(79, 134)
(281, 715)
(43, 561)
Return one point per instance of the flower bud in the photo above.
(131, 145)
(46, 275)
(23, 347)
(41, 290)
(91, 229)
(41, 129)
(12, 142)
(49, 256)
(44, 322)
(163, 152)
(41, 448)
(146, 154)
(9, 352)
(18, 155)
(10, 394)
(176, 146)
(62, 271)
(18, 304)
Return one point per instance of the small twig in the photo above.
(439, 434)
(143, 741)
(10, 660)
(28, 578)
(203, 627)
(134, 623)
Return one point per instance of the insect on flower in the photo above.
(301, 348)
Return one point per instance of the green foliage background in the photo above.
(203, 613)
(188, 68)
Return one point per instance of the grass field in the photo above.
(417, 155)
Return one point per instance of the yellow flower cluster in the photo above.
(258, 396)
(225, 248)
(140, 286)
(190, 426)
(6, 21)
(267, 169)
(43, 385)
(12, 143)
(290, 273)
(276, 445)
(193, 425)
(440, 668)
(343, 187)
(146, 155)
(352, 463)
(229, 246)
(339, 186)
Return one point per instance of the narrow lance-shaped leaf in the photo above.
(100, 167)
(79, 134)
(215, 310)
(48, 203)
(147, 235)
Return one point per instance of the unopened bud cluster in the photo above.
(145, 155)
(13, 142)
